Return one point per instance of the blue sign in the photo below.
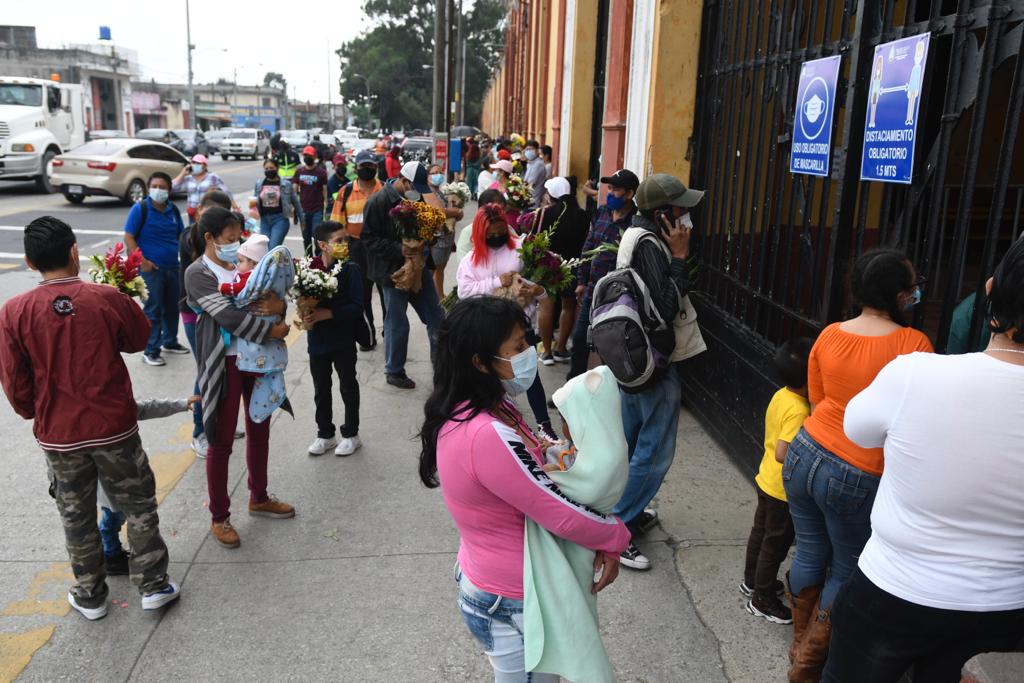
(812, 125)
(894, 99)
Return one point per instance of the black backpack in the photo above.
(145, 215)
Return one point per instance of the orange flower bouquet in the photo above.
(415, 224)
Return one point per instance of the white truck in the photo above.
(39, 119)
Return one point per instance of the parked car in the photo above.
(417, 149)
(164, 135)
(296, 138)
(245, 142)
(215, 137)
(107, 134)
(117, 167)
(195, 142)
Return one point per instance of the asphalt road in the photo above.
(99, 221)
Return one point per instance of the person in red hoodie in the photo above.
(393, 162)
(61, 366)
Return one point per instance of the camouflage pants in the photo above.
(124, 470)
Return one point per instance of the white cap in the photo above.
(255, 247)
(557, 187)
(503, 165)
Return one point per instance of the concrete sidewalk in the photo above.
(359, 585)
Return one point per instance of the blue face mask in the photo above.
(437, 179)
(228, 253)
(913, 300)
(614, 202)
(530, 155)
(158, 194)
(524, 367)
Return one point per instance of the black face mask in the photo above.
(270, 174)
(309, 161)
(497, 242)
(366, 173)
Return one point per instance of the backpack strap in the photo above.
(345, 194)
(631, 239)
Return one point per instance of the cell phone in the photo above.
(658, 215)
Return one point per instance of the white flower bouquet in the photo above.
(314, 282)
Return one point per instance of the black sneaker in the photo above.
(780, 588)
(634, 559)
(772, 610)
(117, 565)
(546, 432)
(401, 381)
(176, 348)
(562, 356)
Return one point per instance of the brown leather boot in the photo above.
(804, 610)
(812, 652)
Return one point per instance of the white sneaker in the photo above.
(348, 446)
(153, 360)
(200, 445)
(151, 601)
(90, 613)
(321, 446)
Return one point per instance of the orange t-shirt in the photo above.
(841, 365)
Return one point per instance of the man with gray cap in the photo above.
(651, 416)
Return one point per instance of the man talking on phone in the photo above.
(651, 416)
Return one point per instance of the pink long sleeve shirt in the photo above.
(482, 279)
(491, 481)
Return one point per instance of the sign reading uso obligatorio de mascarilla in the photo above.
(894, 100)
(812, 121)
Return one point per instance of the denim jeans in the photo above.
(877, 636)
(197, 407)
(161, 308)
(830, 501)
(310, 219)
(111, 522)
(649, 420)
(535, 395)
(497, 624)
(396, 321)
(275, 227)
(580, 349)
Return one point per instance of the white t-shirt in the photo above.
(947, 529)
(224, 277)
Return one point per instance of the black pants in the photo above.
(877, 637)
(320, 366)
(357, 253)
(580, 348)
(770, 540)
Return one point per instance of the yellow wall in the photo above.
(549, 115)
(577, 128)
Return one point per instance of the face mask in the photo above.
(309, 161)
(197, 169)
(436, 179)
(228, 253)
(270, 174)
(337, 251)
(412, 196)
(366, 173)
(614, 202)
(530, 155)
(497, 242)
(158, 194)
(685, 220)
(913, 300)
(524, 366)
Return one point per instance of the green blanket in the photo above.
(560, 627)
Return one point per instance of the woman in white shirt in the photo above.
(942, 577)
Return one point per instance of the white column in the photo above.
(637, 152)
(567, 72)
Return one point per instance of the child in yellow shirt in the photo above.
(772, 533)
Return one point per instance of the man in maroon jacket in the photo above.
(61, 366)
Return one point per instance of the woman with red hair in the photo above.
(492, 269)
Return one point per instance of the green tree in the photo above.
(485, 33)
(272, 79)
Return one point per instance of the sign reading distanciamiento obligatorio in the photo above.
(894, 100)
(812, 122)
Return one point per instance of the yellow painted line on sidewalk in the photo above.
(58, 572)
(16, 650)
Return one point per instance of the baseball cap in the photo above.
(365, 156)
(662, 189)
(255, 247)
(338, 159)
(504, 154)
(200, 159)
(310, 150)
(623, 178)
(502, 165)
(414, 172)
(557, 187)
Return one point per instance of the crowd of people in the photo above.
(896, 471)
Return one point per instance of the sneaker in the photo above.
(321, 446)
(772, 610)
(371, 347)
(200, 445)
(176, 348)
(562, 356)
(646, 520)
(545, 431)
(348, 446)
(780, 588)
(151, 601)
(117, 564)
(547, 359)
(90, 613)
(401, 381)
(271, 507)
(634, 559)
(225, 534)
(152, 360)
(239, 434)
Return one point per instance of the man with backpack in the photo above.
(641, 324)
(348, 210)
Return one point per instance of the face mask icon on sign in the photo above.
(814, 108)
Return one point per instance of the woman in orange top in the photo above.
(829, 480)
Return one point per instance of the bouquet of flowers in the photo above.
(120, 271)
(520, 194)
(544, 267)
(415, 223)
(314, 282)
(458, 195)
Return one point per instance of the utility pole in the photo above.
(191, 87)
(330, 113)
(460, 72)
(449, 105)
(439, 118)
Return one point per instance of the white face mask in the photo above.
(197, 169)
(685, 221)
(158, 194)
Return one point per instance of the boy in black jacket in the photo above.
(332, 345)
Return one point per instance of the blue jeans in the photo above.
(396, 321)
(497, 624)
(535, 395)
(649, 420)
(275, 227)
(111, 522)
(161, 308)
(580, 349)
(310, 219)
(197, 408)
(830, 501)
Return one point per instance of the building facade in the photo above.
(218, 105)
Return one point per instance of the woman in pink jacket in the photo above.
(477, 445)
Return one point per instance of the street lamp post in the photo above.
(369, 106)
(191, 86)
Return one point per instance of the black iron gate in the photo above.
(775, 247)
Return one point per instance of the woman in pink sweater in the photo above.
(489, 466)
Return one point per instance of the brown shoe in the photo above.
(272, 507)
(803, 613)
(225, 534)
(812, 652)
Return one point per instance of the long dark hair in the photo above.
(475, 328)
(1007, 296)
(196, 241)
(878, 278)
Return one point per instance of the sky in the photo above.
(298, 43)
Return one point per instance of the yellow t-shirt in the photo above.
(786, 412)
